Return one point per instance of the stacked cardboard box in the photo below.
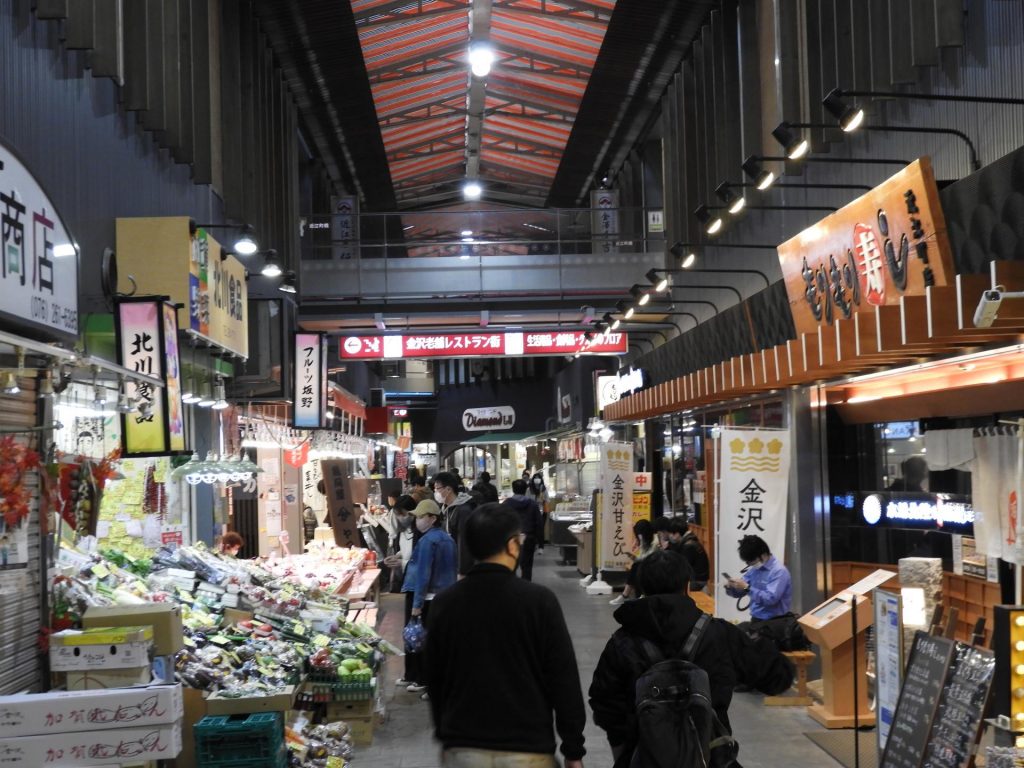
(103, 657)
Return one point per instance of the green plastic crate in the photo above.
(240, 741)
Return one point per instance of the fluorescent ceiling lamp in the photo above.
(481, 57)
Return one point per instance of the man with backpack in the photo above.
(663, 685)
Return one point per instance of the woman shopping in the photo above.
(539, 493)
(432, 568)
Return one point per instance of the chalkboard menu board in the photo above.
(938, 716)
(926, 672)
(958, 717)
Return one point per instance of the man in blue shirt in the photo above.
(767, 581)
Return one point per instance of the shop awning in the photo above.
(490, 438)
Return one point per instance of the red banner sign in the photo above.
(480, 345)
(298, 455)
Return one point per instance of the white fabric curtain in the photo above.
(949, 449)
(994, 490)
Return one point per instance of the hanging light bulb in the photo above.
(46, 386)
(10, 384)
(125, 404)
(219, 400)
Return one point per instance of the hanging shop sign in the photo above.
(607, 391)
(563, 403)
(752, 501)
(39, 261)
(165, 257)
(310, 384)
(615, 482)
(480, 345)
(642, 496)
(604, 220)
(914, 510)
(486, 419)
(147, 333)
(889, 243)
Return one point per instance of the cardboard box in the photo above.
(346, 710)
(165, 619)
(39, 714)
(195, 710)
(102, 679)
(361, 731)
(235, 616)
(100, 648)
(124, 746)
(217, 704)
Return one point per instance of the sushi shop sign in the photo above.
(38, 259)
(484, 419)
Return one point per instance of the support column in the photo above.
(808, 549)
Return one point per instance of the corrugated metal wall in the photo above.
(20, 590)
(783, 57)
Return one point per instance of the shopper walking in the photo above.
(665, 617)
(538, 491)
(685, 542)
(531, 523)
(431, 569)
(500, 662)
(455, 508)
(643, 536)
(486, 488)
(766, 581)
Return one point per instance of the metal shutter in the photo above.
(20, 590)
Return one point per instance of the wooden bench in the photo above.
(801, 660)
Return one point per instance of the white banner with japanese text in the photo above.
(616, 488)
(753, 495)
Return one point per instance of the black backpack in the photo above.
(676, 725)
(784, 632)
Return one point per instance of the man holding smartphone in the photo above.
(767, 581)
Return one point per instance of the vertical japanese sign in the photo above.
(753, 498)
(343, 228)
(604, 225)
(312, 496)
(38, 263)
(198, 287)
(310, 384)
(616, 478)
(641, 497)
(142, 348)
(172, 379)
(344, 515)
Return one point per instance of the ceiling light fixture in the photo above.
(288, 285)
(629, 313)
(467, 233)
(271, 265)
(245, 243)
(641, 296)
(481, 57)
(472, 190)
(688, 262)
(616, 324)
(734, 203)
(10, 384)
(660, 284)
(711, 222)
(795, 145)
(219, 401)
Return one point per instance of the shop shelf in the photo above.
(239, 741)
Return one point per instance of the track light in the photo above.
(641, 296)
(288, 284)
(46, 386)
(600, 327)
(124, 404)
(219, 402)
(608, 319)
(688, 262)
(629, 313)
(850, 118)
(616, 324)
(660, 284)
(795, 145)
(711, 222)
(206, 398)
(271, 265)
(756, 172)
(472, 190)
(733, 202)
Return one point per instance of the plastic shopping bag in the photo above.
(414, 635)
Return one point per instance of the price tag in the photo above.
(321, 641)
(299, 629)
(100, 571)
(220, 640)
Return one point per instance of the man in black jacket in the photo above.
(499, 659)
(456, 507)
(685, 542)
(531, 521)
(665, 617)
(486, 488)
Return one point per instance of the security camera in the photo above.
(988, 308)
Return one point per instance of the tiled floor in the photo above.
(769, 736)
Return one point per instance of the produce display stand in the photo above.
(365, 586)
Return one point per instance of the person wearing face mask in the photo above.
(431, 569)
(499, 660)
(455, 509)
(539, 493)
(766, 580)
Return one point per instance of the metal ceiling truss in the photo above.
(513, 52)
(594, 11)
(417, 64)
(365, 21)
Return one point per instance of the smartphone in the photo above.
(726, 576)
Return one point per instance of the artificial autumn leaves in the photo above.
(15, 498)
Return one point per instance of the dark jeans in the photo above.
(543, 528)
(414, 661)
(526, 556)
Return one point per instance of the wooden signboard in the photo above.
(341, 502)
(942, 701)
(889, 243)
